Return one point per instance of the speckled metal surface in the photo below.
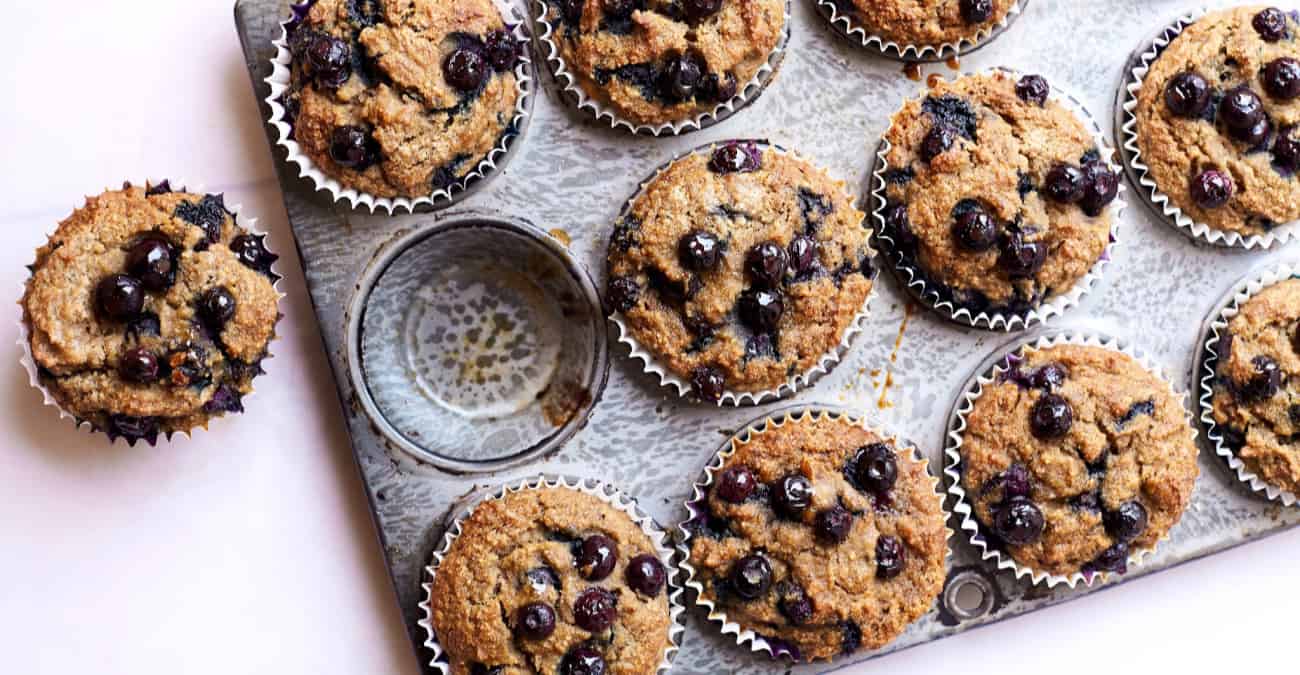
(830, 102)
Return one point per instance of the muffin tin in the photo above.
(830, 103)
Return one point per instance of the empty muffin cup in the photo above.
(476, 343)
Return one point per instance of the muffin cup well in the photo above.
(846, 27)
(574, 95)
(24, 329)
(1136, 69)
(776, 648)
(988, 373)
(827, 362)
(1226, 308)
(603, 491)
(487, 167)
(916, 281)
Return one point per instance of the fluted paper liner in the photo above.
(846, 27)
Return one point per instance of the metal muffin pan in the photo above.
(830, 103)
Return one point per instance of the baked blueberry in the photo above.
(542, 578)
(1033, 89)
(736, 484)
(708, 384)
(623, 293)
(1281, 78)
(1286, 149)
(680, 78)
(1126, 523)
(330, 60)
(120, 297)
(975, 231)
(251, 252)
(876, 468)
(1019, 522)
(792, 495)
(1187, 95)
(796, 607)
(583, 659)
(535, 621)
(646, 574)
(1211, 189)
(216, 307)
(502, 50)
(761, 309)
(595, 610)
(483, 669)
(736, 157)
(1113, 559)
(1241, 109)
(1051, 417)
(976, 11)
(1065, 183)
(1265, 381)
(1270, 23)
(766, 264)
(138, 365)
(720, 88)
(1049, 376)
(1015, 482)
(834, 524)
(890, 557)
(898, 224)
(802, 254)
(751, 577)
(698, 10)
(352, 147)
(152, 261)
(699, 250)
(1256, 135)
(936, 142)
(1021, 258)
(596, 557)
(1100, 188)
(466, 69)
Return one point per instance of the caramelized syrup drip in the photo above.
(883, 402)
(954, 62)
(912, 71)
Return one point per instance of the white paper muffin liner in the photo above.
(957, 425)
(1238, 296)
(462, 509)
(573, 93)
(24, 331)
(776, 648)
(827, 362)
(915, 280)
(847, 28)
(1141, 172)
(487, 167)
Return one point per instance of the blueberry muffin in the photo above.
(1217, 115)
(660, 61)
(401, 98)
(924, 22)
(1075, 457)
(996, 195)
(1256, 403)
(149, 311)
(821, 535)
(739, 267)
(551, 580)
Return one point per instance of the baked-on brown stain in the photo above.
(912, 71)
(883, 402)
(933, 80)
(954, 62)
(562, 401)
(561, 236)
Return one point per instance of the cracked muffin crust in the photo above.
(924, 22)
(661, 61)
(820, 534)
(551, 580)
(996, 194)
(401, 98)
(1217, 119)
(149, 311)
(1075, 457)
(739, 267)
(1256, 400)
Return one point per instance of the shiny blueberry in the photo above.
(595, 610)
(751, 577)
(646, 574)
(699, 250)
(766, 264)
(1020, 258)
(1051, 417)
(1255, 135)
(1286, 149)
(466, 69)
(834, 524)
(330, 60)
(352, 147)
(1049, 376)
(535, 621)
(1265, 381)
(936, 142)
(1282, 78)
(502, 50)
(761, 309)
(802, 253)
(1033, 89)
(736, 484)
(1019, 522)
(120, 297)
(975, 231)
(623, 293)
(1270, 24)
(1211, 189)
(216, 307)
(890, 557)
(1100, 188)
(1065, 183)
(1241, 109)
(151, 261)
(681, 77)
(1187, 95)
(976, 11)
(698, 10)
(1113, 559)
(792, 495)
(897, 222)
(1015, 482)
(138, 365)
(735, 158)
(596, 557)
(708, 384)
(250, 250)
(1127, 523)
(876, 468)
(582, 660)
